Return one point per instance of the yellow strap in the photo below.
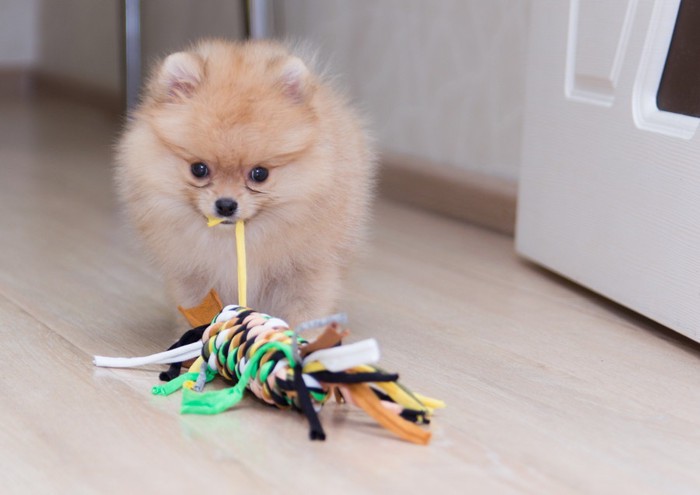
(240, 253)
(213, 221)
(400, 395)
(197, 365)
(313, 367)
(429, 401)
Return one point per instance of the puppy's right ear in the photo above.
(179, 75)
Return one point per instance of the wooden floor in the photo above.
(550, 390)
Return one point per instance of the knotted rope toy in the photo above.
(260, 353)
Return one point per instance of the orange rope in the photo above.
(363, 396)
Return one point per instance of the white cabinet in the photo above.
(610, 185)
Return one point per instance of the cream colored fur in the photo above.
(235, 106)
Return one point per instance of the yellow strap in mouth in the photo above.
(214, 221)
(240, 254)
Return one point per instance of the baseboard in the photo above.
(108, 100)
(16, 81)
(470, 196)
(25, 81)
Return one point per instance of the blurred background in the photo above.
(442, 82)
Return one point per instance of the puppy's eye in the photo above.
(199, 170)
(259, 174)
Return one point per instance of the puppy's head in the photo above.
(235, 127)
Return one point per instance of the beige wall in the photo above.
(18, 32)
(170, 25)
(80, 40)
(441, 79)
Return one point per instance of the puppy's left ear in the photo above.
(295, 79)
(180, 74)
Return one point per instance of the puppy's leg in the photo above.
(187, 291)
(307, 295)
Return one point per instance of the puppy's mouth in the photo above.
(213, 221)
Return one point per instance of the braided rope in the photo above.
(255, 341)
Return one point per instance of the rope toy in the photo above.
(260, 353)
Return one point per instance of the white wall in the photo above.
(18, 32)
(441, 79)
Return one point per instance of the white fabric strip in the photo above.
(183, 353)
(343, 357)
(340, 318)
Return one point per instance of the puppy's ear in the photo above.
(295, 79)
(180, 74)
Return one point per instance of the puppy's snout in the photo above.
(226, 206)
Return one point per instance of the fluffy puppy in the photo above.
(247, 131)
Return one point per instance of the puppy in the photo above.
(247, 131)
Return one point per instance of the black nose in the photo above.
(226, 207)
